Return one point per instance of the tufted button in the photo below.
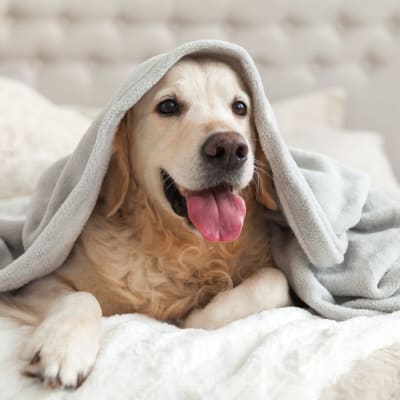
(29, 9)
(41, 57)
(293, 22)
(142, 11)
(347, 21)
(320, 61)
(92, 60)
(205, 11)
(66, 20)
(89, 10)
(259, 13)
(124, 19)
(372, 61)
(394, 24)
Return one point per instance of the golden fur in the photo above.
(134, 257)
(132, 263)
(135, 254)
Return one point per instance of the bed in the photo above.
(280, 354)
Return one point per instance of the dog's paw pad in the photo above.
(35, 359)
(60, 356)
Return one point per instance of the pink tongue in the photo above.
(217, 214)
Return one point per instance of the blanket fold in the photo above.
(337, 243)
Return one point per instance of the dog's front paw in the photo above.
(61, 352)
(208, 318)
(196, 321)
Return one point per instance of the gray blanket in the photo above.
(338, 244)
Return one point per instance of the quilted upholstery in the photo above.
(78, 52)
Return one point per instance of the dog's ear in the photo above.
(263, 185)
(116, 182)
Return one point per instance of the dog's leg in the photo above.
(265, 289)
(64, 345)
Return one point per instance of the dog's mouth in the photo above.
(217, 212)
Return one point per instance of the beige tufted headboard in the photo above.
(78, 52)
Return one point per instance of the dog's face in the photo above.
(191, 144)
(195, 125)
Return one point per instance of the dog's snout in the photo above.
(225, 149)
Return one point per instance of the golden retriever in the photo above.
(179, 232)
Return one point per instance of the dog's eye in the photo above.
(239, 108)
(168, 106)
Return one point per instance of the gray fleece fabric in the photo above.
(337, 243)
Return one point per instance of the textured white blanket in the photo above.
(279, 354)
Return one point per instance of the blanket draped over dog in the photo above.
(337, 243)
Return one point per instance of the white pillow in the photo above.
(315, 122)
(321, 109)
(360, 150)
(33, 134)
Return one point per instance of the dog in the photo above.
(179, 231)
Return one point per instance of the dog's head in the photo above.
(190, 143)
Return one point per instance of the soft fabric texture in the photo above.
(34, 134)
(337, 244)
(281, 354)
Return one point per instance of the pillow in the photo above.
(320, 109)
(363, 151)
(33, 134)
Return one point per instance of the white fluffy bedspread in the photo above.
(280, 354)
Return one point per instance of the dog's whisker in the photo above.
(261, 164)
(169, 185)
(262, 170)
(167, 181)
(257, 182)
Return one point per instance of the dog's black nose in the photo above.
(228, 150)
